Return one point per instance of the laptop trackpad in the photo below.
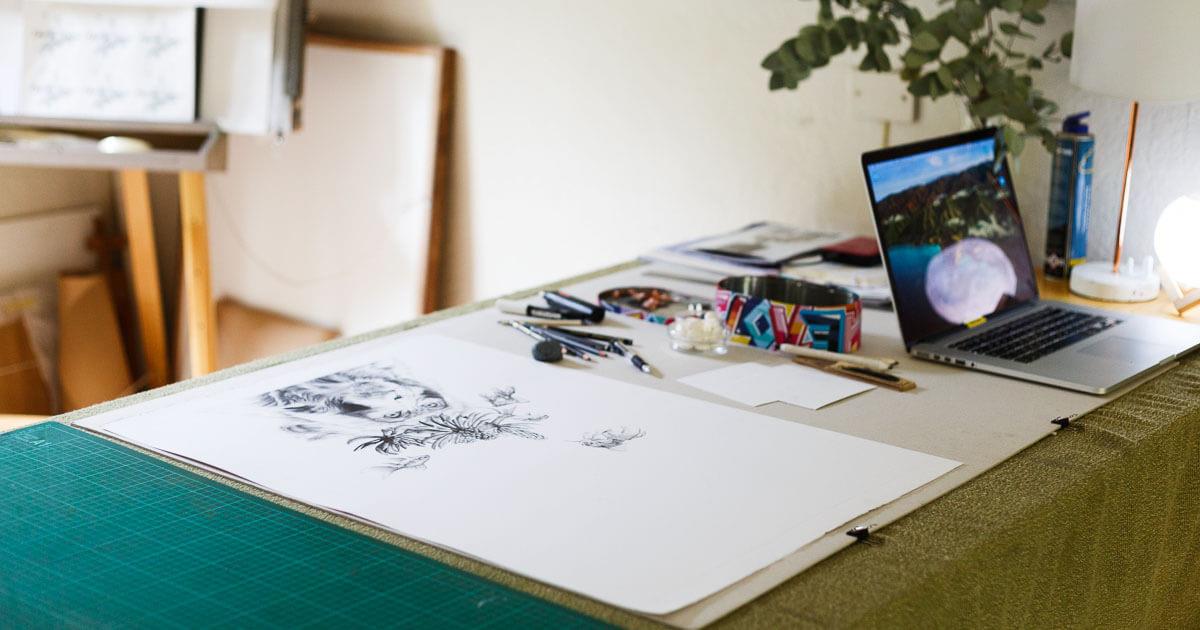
(1128, 350)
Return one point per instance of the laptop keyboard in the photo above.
(1035, 335)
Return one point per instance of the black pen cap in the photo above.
(570, 304)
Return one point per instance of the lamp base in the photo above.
(1098, 281)
(1188, 300)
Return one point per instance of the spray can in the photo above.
(1070, 197)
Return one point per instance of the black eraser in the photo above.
(547, 351)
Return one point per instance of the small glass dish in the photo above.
(699, 330)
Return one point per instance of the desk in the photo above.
(1099, 526)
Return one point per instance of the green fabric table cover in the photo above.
(1097, 526)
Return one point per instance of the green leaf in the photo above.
(1034, 63)
(882, 62)
(969, 13)
(971, 86)
(868, 62)
(825, 13)
(837, 44)
(1013, 140)
(987, 108)
(1035, 5)
(926, 42)
(772, 62)
(806, 47)
(1012, 6)
(792, 63)
(1066, 43)
(777, 81)
(845, 4)
(945, 77)
(891, 35)
(916, 59)
(956, 28)
(1033, 17)
(850, 31)
(920, 86)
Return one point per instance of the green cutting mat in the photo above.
(96, 534)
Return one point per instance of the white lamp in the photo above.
(1145, 51)
(1175, 244)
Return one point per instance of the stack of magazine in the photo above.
(768, 248)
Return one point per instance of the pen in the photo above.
(638, 362)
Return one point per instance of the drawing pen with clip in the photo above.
(638, 362)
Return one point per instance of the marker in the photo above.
(638, 362)
(513, 307)
(578, 307)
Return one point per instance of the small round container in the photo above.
(699, 330)
(767, 311)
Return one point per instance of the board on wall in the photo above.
(340, 224)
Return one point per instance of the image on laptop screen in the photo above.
(949, 224)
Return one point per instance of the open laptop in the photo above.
(963, 283)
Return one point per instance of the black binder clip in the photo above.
(861, 533)
(1064, 422)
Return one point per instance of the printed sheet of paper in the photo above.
(756, 384)
(639, 498)
(109, 62)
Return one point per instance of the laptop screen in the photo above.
(950, 233)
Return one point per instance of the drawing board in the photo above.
(339, 224)
(639, 498)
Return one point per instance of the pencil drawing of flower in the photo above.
(502, 397)
(389, 441)
(404, 463)
(474, 426)
(611, 439)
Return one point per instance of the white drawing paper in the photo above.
(639, 498)
(755, 384)
(109, 62)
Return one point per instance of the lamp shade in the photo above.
(1145, 50)
(1175, 241)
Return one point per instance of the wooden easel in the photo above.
(143, 261)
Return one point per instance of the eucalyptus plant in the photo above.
(968, 49)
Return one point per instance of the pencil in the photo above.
(588, 334)
(566, 340)
(525, 330)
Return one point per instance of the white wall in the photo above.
(588, 132)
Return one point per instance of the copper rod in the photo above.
(1133, 115)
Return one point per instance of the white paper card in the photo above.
(111, 63)
(640, 498)
(755, 384)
